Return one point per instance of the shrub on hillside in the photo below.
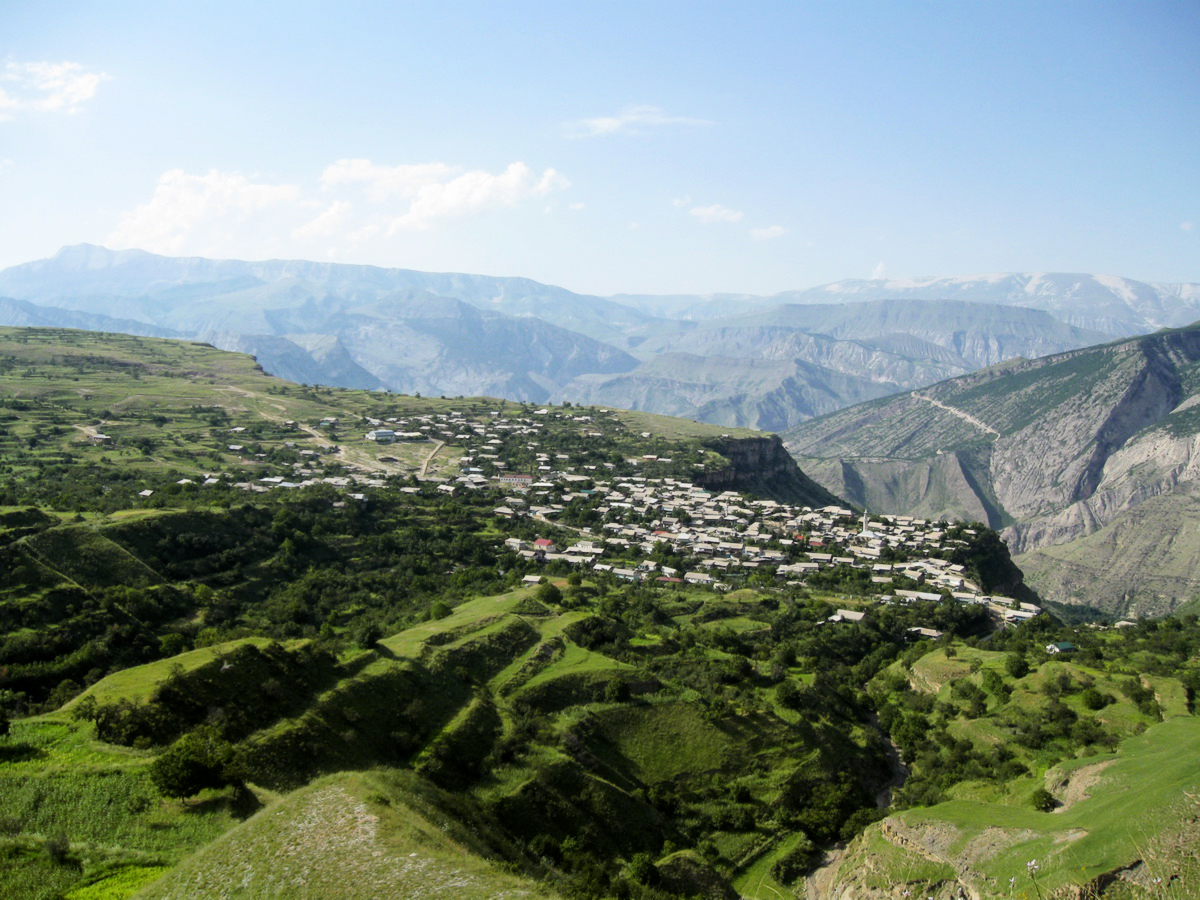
(1016, 665)
(199, 760)
(1043, 800)
(797, 862)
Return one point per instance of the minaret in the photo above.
(866, 533)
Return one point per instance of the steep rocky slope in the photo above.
(763, 467)
(1056, 450)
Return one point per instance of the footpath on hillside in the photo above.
(965, 416)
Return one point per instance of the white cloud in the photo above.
(198, 211)
(879, 271)
(634, 120)
(384, 182)
(354, 202)
(473, 193)
(576, 206)
(46, 87)
(326, 223)
(437, 191)
(767, 234)
(681, 201)
(365, 233)
(1187, 226)
(716, 213)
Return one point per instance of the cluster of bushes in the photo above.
(235, 693)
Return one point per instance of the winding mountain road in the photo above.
(965, 416)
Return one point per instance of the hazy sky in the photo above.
(607, 146)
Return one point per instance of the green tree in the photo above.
(366, 633)
(1043, 800)
(172, 644)
(549, 594)
(616, 691)
(1016, 665)
(198, 760)
(789, 695)
(641, 869)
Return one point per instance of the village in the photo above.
(633, 516)
(630, 516)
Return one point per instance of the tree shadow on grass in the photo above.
(241, 802)
(20, 752)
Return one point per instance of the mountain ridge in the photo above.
(731, 359)
(1053, 450)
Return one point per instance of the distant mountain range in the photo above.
(762, 362)
(778, 366)
(1089, 460)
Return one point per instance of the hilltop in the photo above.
(1084, 459)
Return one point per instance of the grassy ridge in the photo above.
(1130, 810)
(139, 683)
(346, 836)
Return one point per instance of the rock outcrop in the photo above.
(762, 466)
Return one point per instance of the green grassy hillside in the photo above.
(195, 680)
(78, 813)
(1125, 828)
(348, 836)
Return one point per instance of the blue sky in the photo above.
(648, 147)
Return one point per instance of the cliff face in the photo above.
(1065, 456)
(763, 467)
(927, 488)
(1059, 452)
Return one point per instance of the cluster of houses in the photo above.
(716, 539)
(724, 536)
(459, 428)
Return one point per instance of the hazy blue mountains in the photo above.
(729, 359)
(350, 326)
(776, 367)
(1114, 305)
